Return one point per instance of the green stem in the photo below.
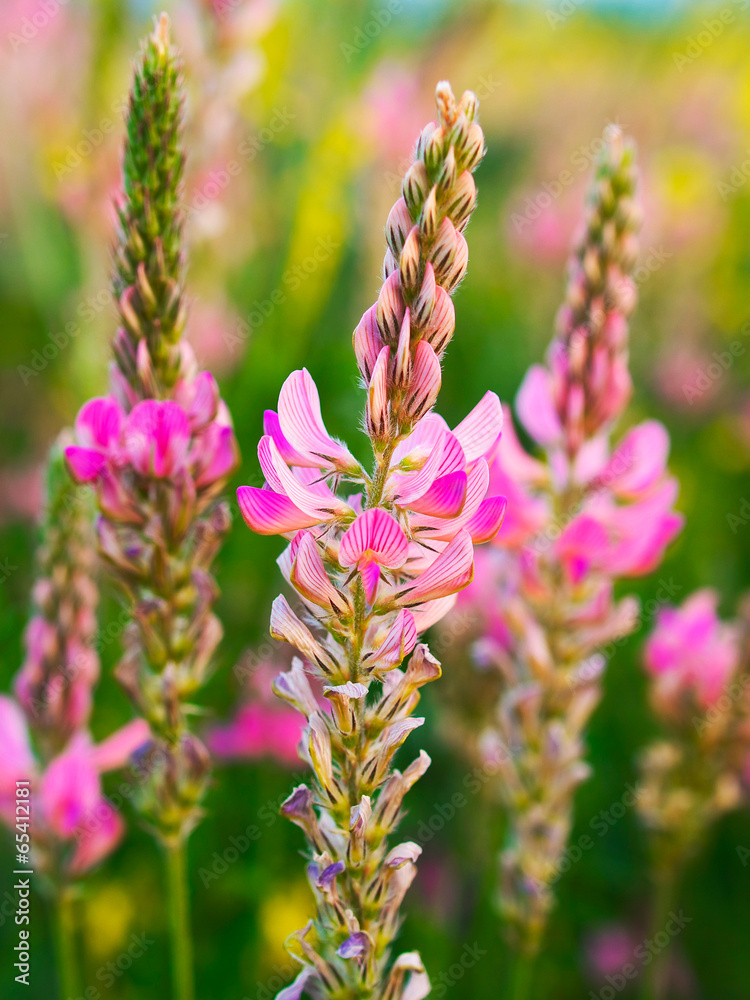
(65, 940)
(521, 981)
(666, 880)
(179, 921)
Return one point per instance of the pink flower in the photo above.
(374, 540)
(259, 730)
(157, 438)
(69, 803)
(692, 651)
(98, 428)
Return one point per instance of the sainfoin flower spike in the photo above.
(51, 795)
(159, 450)
(699, 685)
(582, 514)
(375, 558)
(44, 737)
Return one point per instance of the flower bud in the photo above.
(410, 261)
(398, 227)
(391, 308)
(415, 187)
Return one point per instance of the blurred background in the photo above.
(300, 120)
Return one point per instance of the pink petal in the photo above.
(302, 424)
(406, 487)
(99, 423)
(639, 460)
(199, 399)
(272, 428)
(445, 498)
(582, 544)
(98, 838)
(85, 464)
(444, 529)
(536, 408)
(479, 432)
(450, 572)
(370, 573)
(15, 754)
(282, 480)
(309, 576)
(377, 395)
(487, 521)
(157, 437)
(269, 513)
(216, 453)
(376, 533)
(426, 378)
(117, 749)
(367, 343)
(70, 790)
(427, 615)
(398, 643)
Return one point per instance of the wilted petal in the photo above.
(479, 432)
(355, 946)
(294, 687)
(398, 856)
(285, 625)
(302, 424)
(269, 513)
(296, 990)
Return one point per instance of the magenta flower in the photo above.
(70, 812)
(692, 654)
(98, 428)
(157, 438)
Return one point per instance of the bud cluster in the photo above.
(589, 361)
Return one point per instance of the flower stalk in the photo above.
(159, 451)
(373, 569)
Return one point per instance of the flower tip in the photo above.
(161, 35)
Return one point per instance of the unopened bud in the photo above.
(410, 261)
